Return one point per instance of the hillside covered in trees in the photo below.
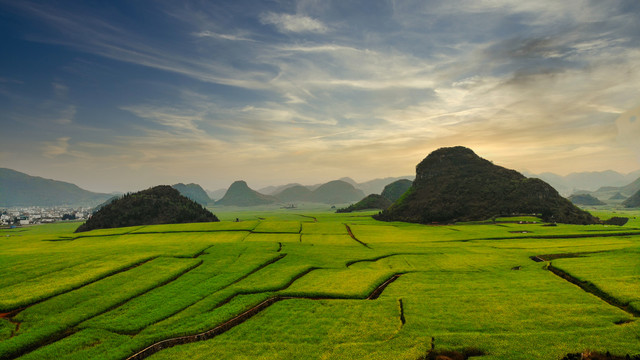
(454, 184)
(157, 205)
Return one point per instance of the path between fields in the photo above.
(239, 319)
(356, 239)
(586, 286)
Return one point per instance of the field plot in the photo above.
(319, 286)
(278, 227)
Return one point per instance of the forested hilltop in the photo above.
(454, 184)
(157, 205)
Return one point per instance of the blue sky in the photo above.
(123, 95)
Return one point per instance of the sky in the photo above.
(125, 95)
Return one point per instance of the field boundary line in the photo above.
(568, 236)
(255, 270)
(356, 239)
(237, 320)
(349, 263)
(284, 287)
(116, 272)
(27, 348)
(591, 288)
(307, 216)
(261, 266)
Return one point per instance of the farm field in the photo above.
(320, 285)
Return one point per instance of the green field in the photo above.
(108, 294)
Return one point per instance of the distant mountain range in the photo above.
(333, 192)
(586, 181)
(20, 189)
(374, 186)
(389, 195)
(633, 201)
(240, 194)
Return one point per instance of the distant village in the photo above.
(20, 216)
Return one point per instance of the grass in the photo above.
(269, 237)
(33, 289)
(278, 227)
(114, 292)
(614, 272)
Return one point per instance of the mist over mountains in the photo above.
(20, 189)
(586, 181)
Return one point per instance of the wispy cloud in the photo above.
(295, 86)
(180, 119)
(211, 34)
(56, 148)
(293, 23)
(66, 115)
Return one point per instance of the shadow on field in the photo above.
(588, 355)
(463, 354)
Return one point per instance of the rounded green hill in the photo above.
(157, 205)
(454, 184)
(633, 201)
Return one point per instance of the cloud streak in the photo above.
(293, 23)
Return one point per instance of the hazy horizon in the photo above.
(121, 96)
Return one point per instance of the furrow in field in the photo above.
(239, 319)
(559, 236)
(260, 267)
(587, 285)
(14, 312)
(284, 287)
(36, 337)
(96, 235)
(196, 255)
(356, 239)
(310, 217)
(592, 289)
(349, 263)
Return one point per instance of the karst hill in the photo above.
(633, 201)
(194, 192)
(454, 184)
(157, 205)
(240, 194)
(390, 193)
(396, 189)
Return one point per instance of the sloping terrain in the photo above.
(396, 189)
(194, 192)
(337, 192)
(157, 205)
(333, 192)
(295, 193)
(585, 199)
(454, 184)
(633, 201)
(373, 201)
(20, 189)
(240, 194)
